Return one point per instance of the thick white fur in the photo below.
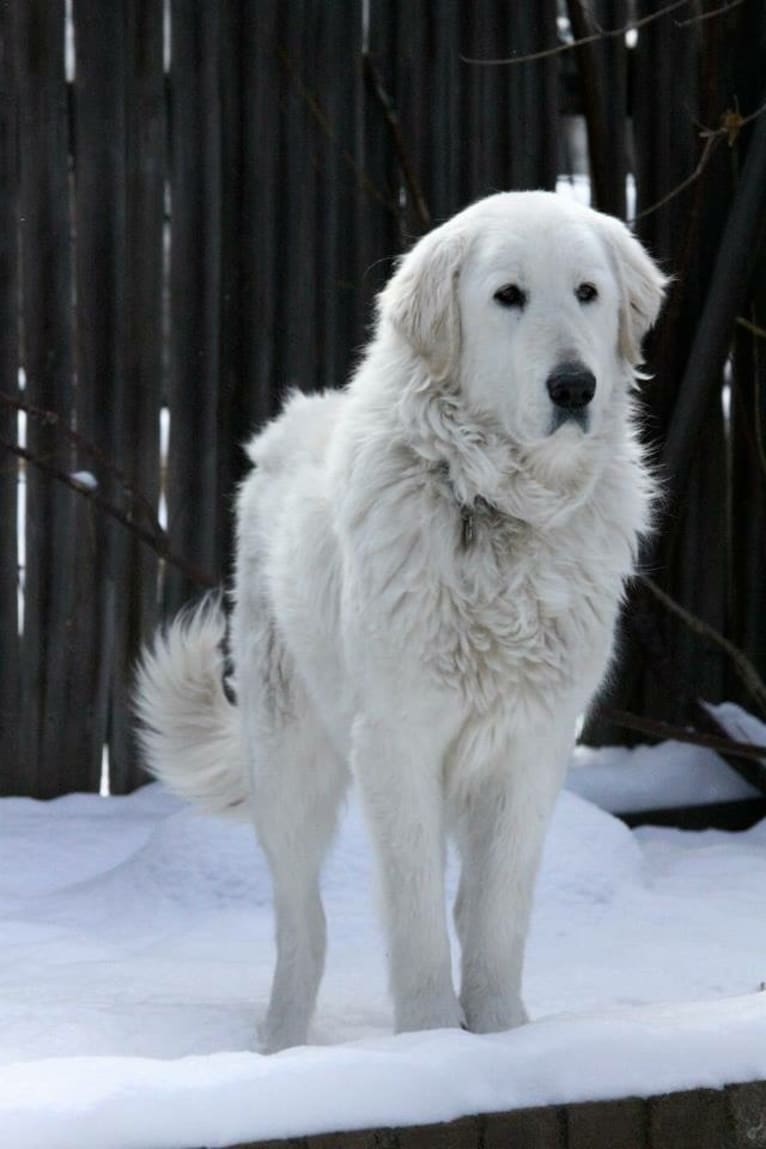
(428, 578)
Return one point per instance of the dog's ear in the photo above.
(420, 299)
(642, 287)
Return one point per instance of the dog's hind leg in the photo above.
(298, 782)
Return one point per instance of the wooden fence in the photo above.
(198, 201)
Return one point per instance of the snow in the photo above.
(674, 774)
(136, 953)
(85, 479)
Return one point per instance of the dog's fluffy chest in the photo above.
(516, 617)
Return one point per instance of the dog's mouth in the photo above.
(575, 418)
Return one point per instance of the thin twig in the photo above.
(158, 542)
(604, 34)
(52, 419)
(323, 122)
(391, 117)
(732, 124)
(669, 731)
(709, 15)
(742, 664)
(753, 328)
(710, 144)
(643, 622)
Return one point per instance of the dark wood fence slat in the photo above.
(377, 218)
(9, 366)
(196, 198)
(262, 71)
(136, 602)
(603, 76)
(746, 535)
(339, 75)
(102, 294)
(302, 147)
(533, 98)
(49, 759)
(119, 205)
(290, 193)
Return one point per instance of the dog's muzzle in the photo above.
(571, 387)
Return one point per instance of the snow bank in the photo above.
(670, 775)
(136, 957)
(120, 1103)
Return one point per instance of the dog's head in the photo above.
(533, 306)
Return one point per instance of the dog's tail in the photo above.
(188, 730)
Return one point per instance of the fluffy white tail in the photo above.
(189, 730)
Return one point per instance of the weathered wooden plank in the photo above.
(412, 79)
(747, 505)
(365, 1139)
(681, 77)
(614, 14)
(136, 602)
(338, 80)
(666, 101)
(704, 1111)
(603, 74)
(538, 1128)
(297, 246)
(233, 320)
(263, 75)
(50, 760)
(747, 1106)
(462, 1134)
(195, 290)
(104, 399)
(487, 128)
(622, 1124)
(739, 815)
(379, 238)
(445, 194)
(9, 365)
(511, 117)
(533, 98)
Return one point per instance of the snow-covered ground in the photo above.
(136, 954)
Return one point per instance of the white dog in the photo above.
(429, 568)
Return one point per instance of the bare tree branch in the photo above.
(323, 122)
(415, 192)
(729, 284)
(742, 664)
(732, 124)
(753, 328)
(156, 539)
(642, 620)
(602, 34)
(52, 419)
(656, 728)
(698, 19)
(710, 145)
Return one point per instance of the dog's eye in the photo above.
(586, 293)
(511, 296)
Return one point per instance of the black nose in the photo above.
(571, 386)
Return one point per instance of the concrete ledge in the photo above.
(730, 1118)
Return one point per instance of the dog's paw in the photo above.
(494, 1014)
(441, 1013)
(276, 1034)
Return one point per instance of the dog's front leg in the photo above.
(500, 823)
(400, 780)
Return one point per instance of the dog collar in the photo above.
(468, 511)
